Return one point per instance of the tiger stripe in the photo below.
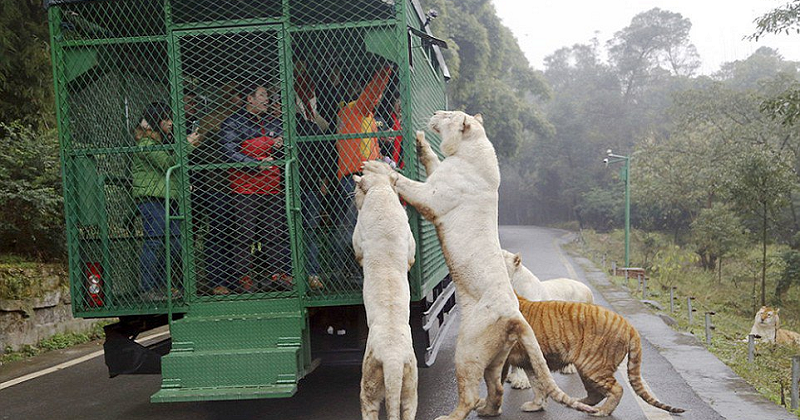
(594, 339)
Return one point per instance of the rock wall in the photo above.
(27, 320)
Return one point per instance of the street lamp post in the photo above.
(625, 173)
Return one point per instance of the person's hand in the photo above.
(323, 187)
(193, 138)
(278, 142)
(265, 163)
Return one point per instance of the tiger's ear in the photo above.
(357, 179)
(479, 117)
(777, 311)
(464, 124)
(517, 260)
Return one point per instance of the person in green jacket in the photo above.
(149, 191)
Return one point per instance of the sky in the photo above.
(718, 26)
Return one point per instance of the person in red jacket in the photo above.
(254, 134)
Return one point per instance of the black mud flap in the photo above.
(124, 356)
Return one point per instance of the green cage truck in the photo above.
(208, 149)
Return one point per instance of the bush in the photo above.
(31, 215)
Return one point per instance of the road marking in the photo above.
(649, 411)
(67, 364)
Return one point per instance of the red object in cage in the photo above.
(94, 283)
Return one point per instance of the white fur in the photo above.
(766, 324)
(385, 248)
(568, 289)
(527, 285)
(460, 199)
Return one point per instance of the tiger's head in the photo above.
(766, 323)
(768, 317)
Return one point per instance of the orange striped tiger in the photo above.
(595, 340)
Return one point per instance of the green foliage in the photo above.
(26, 82)
(784, 19)
(490, 74)
(601, 209)
(790, 274)
(56, 342)
(717, 232)
(31, 221)
(670, 262)
(734, 306)
(785, 107)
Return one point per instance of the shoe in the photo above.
(221, 291)
(282, 278)
(314, 283)
(246, 283)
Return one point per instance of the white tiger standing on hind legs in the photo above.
(460, 199)
(385, 248)
(527, 285)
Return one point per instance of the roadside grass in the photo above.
(56, 342)
(733, 299)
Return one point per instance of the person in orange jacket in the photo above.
(357, 117)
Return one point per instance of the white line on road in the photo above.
(649, 411)
(67, 364)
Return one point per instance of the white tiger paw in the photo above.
(531, 406)
(518, 379)
(569, 370)
(378, 167)
(421, 141)
(484, 411)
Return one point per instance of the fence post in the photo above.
(613, 268)
(709, 327)
(795, 378)
(690, 309)
(644, 287)
(751, 347)
(672, 300)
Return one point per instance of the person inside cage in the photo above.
(357, 117)
(212, 201)
(254, 134)
(316, 163)
(149, 190)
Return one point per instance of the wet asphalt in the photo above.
(675, 365)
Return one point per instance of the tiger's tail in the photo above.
(635, 374)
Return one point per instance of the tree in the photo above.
(26, 82)
(784, 19)
(656, 39)
(790, 274)
(760, 184)
(490, 74)
(717, 233)
(31, 221)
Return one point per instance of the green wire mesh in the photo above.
(272, 105)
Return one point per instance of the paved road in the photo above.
(84, 391)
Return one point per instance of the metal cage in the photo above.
(208, 149)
